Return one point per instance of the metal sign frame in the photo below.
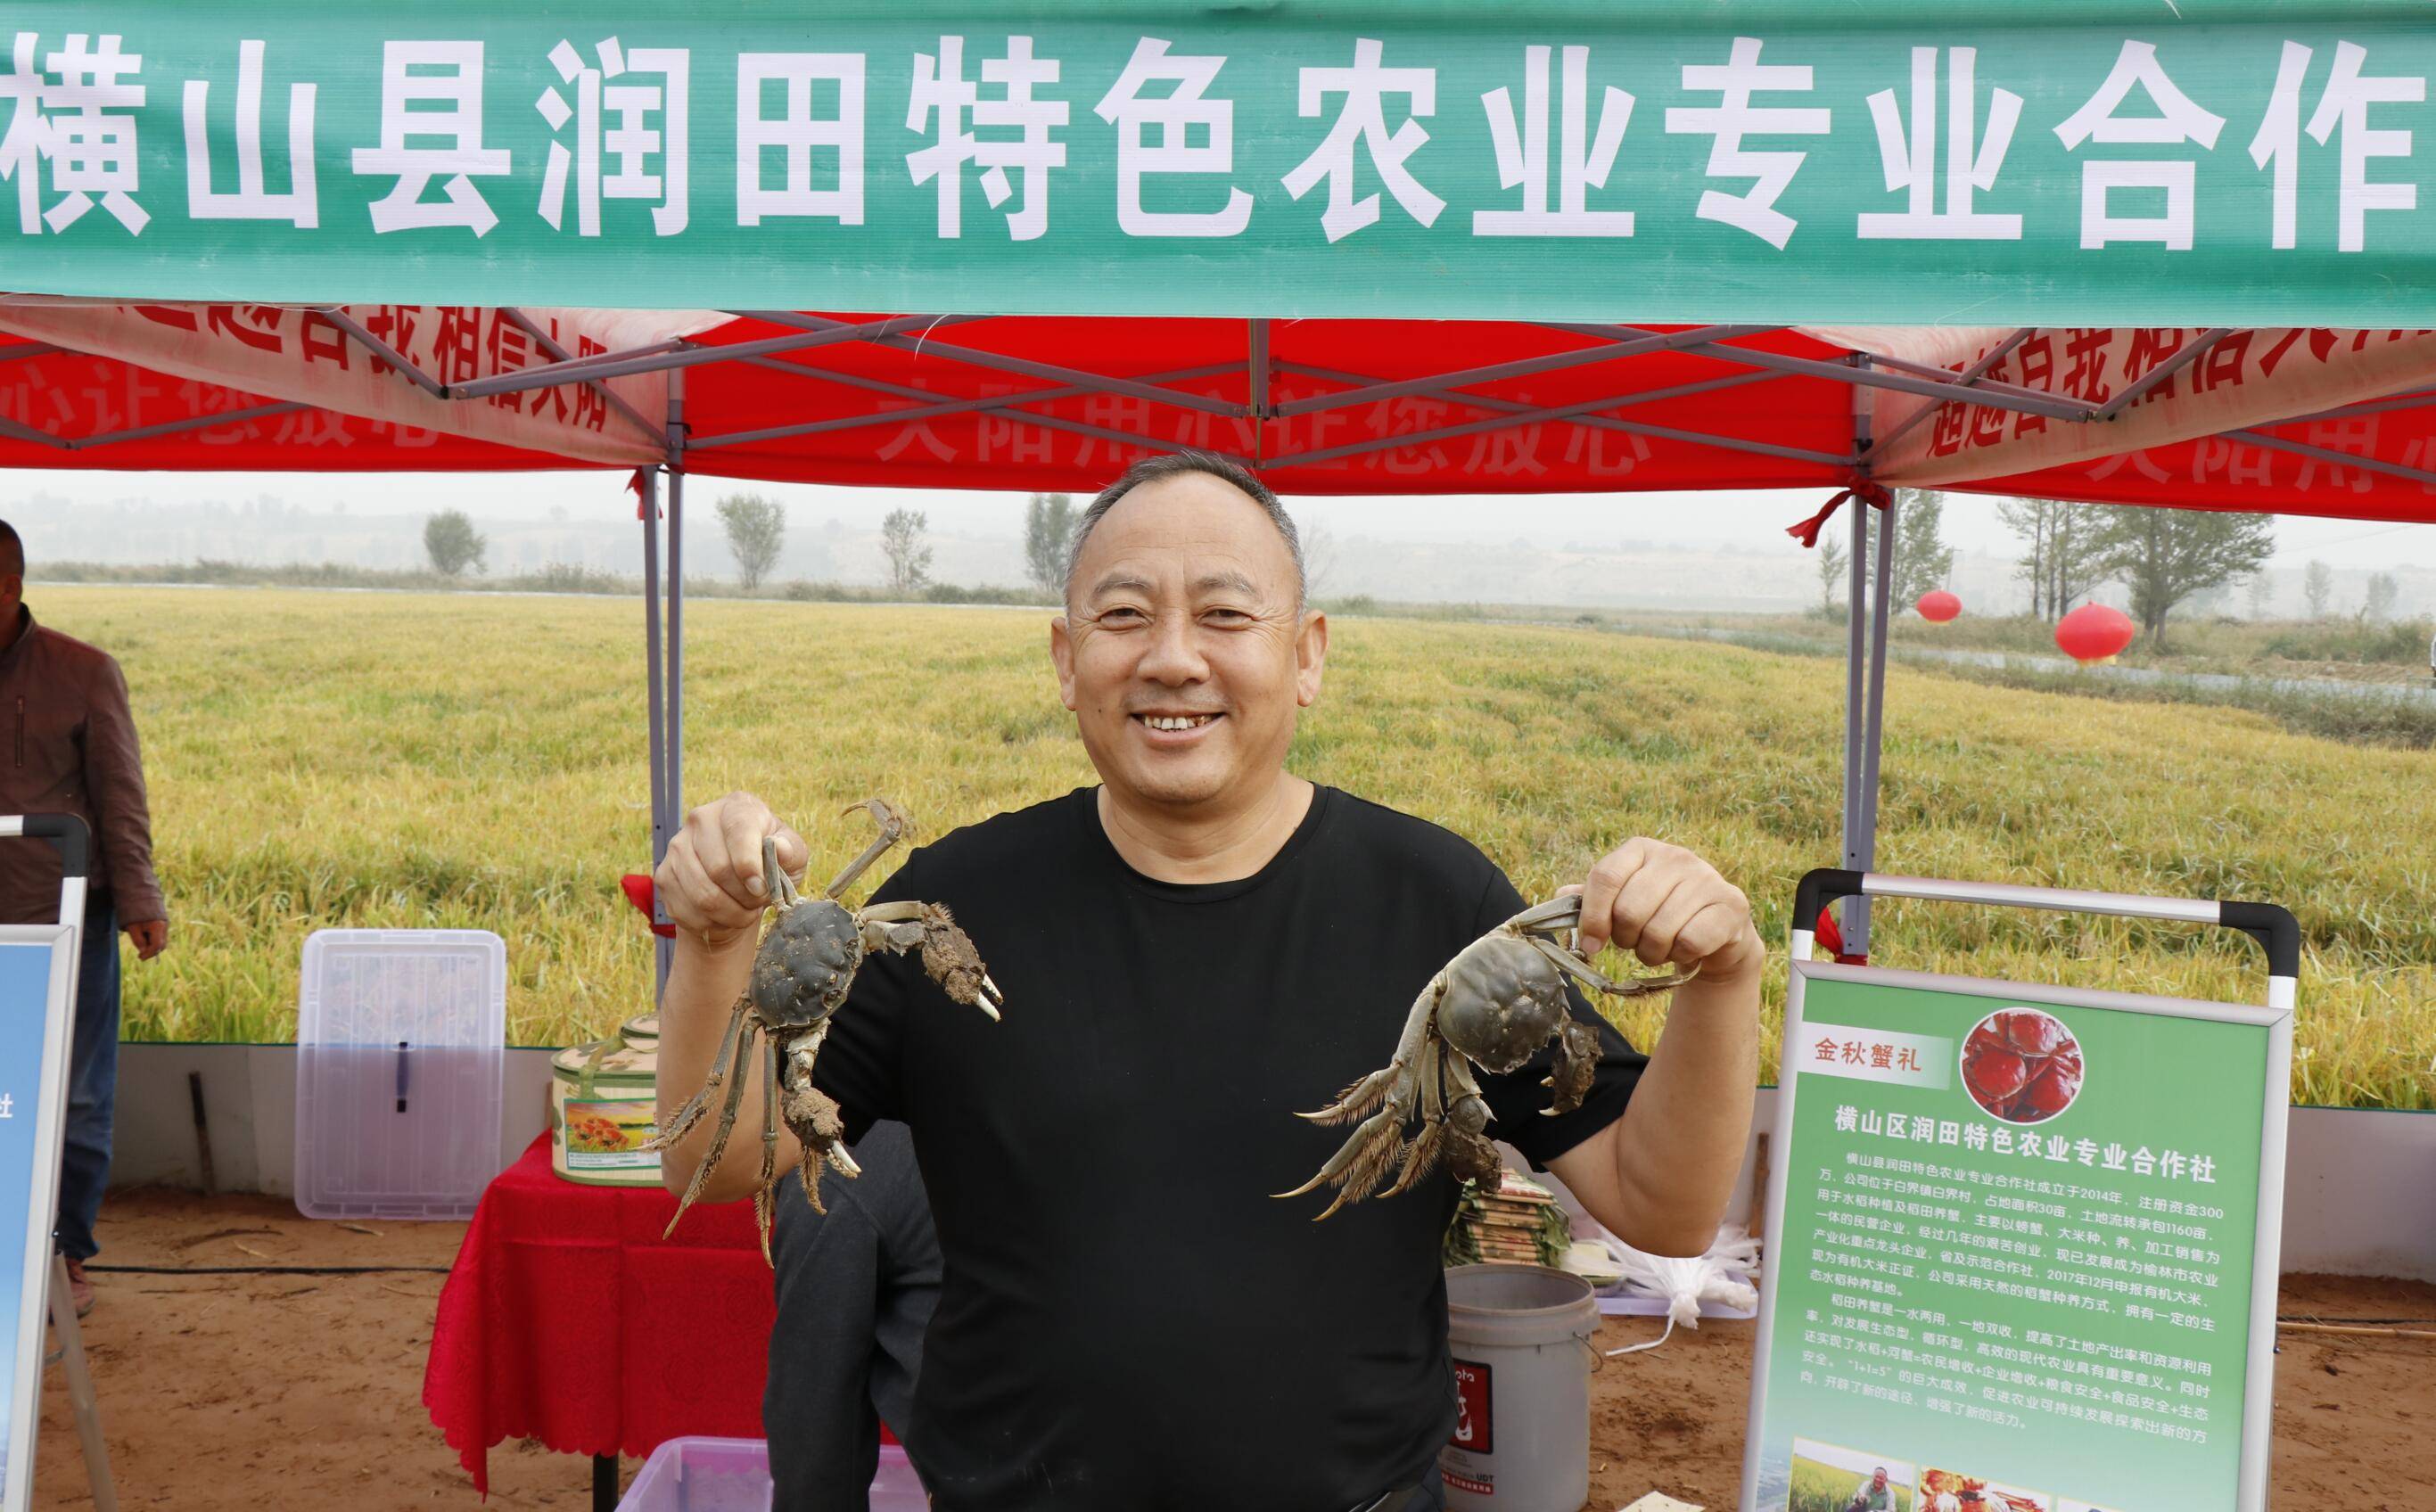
(2275, 928)
(37, 1273)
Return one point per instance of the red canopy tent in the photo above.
(1321, 406)
(2317, 421)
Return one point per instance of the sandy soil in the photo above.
(229, 1392)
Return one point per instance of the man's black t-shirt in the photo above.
(1128, 1320)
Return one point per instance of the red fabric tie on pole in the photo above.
(1831, 939)
(1873, 495)
(639, 892)
(636, 486)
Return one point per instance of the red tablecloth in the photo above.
(567, 1319)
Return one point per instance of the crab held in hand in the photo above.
(1493, 1006)
(801, 974)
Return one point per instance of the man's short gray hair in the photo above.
(1171, 464)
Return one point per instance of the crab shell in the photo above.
(1504, 1000)
(805, 965)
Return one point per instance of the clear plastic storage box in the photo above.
(401, 1040)
(733, 1475)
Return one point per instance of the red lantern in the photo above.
(2094, 633)
(1937, 606)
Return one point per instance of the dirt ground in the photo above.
(227, 1393)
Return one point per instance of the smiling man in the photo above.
(1190, 952)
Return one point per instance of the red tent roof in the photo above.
(1349, 407)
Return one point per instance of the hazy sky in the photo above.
(1754, 517)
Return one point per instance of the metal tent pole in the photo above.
(1856, 594)
(650, 513)
(673, 785)
(1865, 682)
(1856, 703)
(1881, 613)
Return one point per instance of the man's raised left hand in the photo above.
(1667, 905)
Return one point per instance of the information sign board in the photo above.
(2025, 1247)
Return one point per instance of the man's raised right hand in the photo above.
(711, 881)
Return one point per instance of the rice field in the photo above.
(408, 760)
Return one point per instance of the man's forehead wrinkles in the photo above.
(1120, 579)
(1134, 577)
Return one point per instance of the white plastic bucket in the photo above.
(1519, 1335)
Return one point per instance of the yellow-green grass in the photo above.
(322, 759)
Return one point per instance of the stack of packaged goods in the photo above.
(603, 1107)
(1515, 1223)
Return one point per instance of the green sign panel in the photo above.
(2020, 1257)
(2222, 162)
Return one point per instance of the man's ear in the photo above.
(1310, 657)
(1061, 656)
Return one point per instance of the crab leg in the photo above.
(1365, 1094)
(1422, 1153)
(1554, 916)
(726, 1122)
(681, 1123)
(1574, 966)
(1364, 1159)
(781, 886)
(893, 825)
(763, 1189)
(1471, 1155)
(1361, 1159)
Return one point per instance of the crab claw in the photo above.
(948, 956)
(892, 827)
(891, 819)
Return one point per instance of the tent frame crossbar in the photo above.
(2328, 454)
(1257, 370)
(2364, 408)
(2076, 411)
(1436, 385)
(1005, 405)
(171, 427)
(1970, 378)
(2189, 353)
(1024, 367)
(1942, 387)
(1516, 406)
(995, 405)
(556, 351)
(671, 356)
(34, 436)
(1588, 412)
(357, 333)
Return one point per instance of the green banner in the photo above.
(2222, 162)
(2014, 1253)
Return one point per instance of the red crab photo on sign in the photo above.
(2022, 1065)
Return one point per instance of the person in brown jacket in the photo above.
(71, 749)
